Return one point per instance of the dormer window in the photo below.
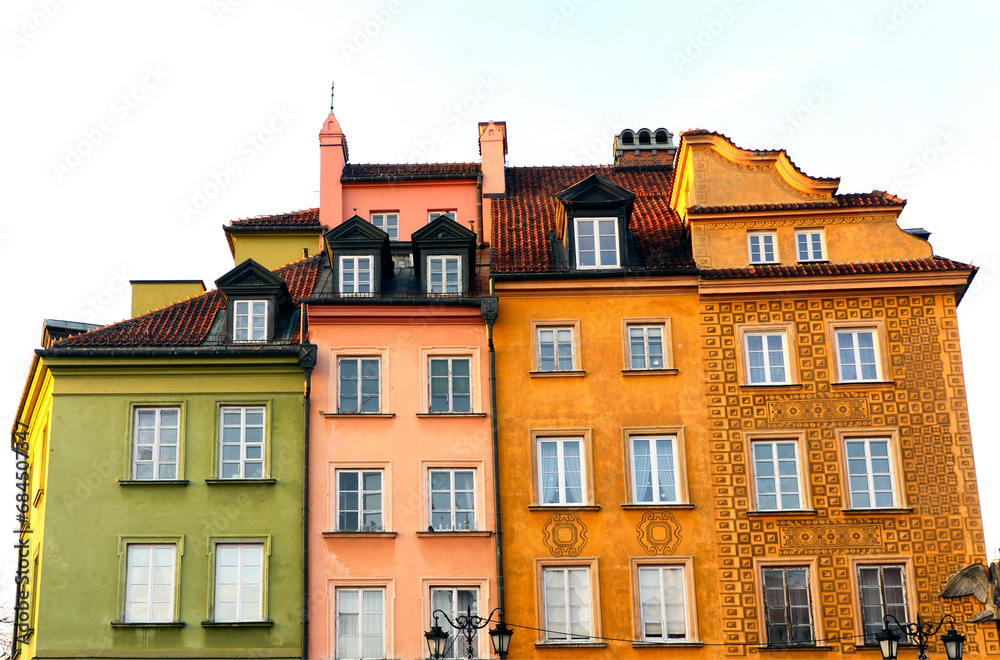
(444, 274)
(597, 243)
(444, 257)
(356, 274)
(250, 320)
(360, 258)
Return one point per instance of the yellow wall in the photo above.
(148, 295)
(273, 249)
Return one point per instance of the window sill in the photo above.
(663, 645)
(450, 414)
(557, 374)
(359, 535)
(244, 482)
(657, 505)
(152, 482)
(564, 507)
(868, 512)
(373, 415)
(801, 513)
(874, 384)
(570, 645)
(147, 624)
(776, 387)
(649, 372)
(455, 533)
(266, 623)
(795, 647)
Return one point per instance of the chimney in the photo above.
(644, 148)
(493, 150)
(333, 157)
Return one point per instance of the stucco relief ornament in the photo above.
(564, 535)
(658, 532)
(983, 583)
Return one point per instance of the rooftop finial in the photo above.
(331, 98)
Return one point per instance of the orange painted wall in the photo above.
(412, 200)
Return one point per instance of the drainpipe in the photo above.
(307, 359)
(489, 307)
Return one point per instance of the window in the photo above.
(596, 242)
(455, 602)
(250, 320)
(150, 583)
(356, 275)
(359, 384)
(444, 274)
(154, 452)
(433, 215)
(560, 471)
(359, 628)
(766, 358)
(654, 471)
(761, 247)
(450, 385)
(776, 475)
(869, 473)
(662, 604)
(809, 245)
(359, 500)
(452, 500)
(239, 582)
(555, 349)
(857, 359)
(787, 606)
(387, 222)
(646, 347)
(566, 601)
(241, 454)
(882, 590)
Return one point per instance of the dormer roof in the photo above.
(251, 279)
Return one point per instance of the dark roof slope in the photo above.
(409, 170)
(936, 264)
(302, 218)
(187, 323)
(874, 198)
(523, 219)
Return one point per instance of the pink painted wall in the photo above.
(405, 445)
(412, 200)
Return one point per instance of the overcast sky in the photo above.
(134, 130)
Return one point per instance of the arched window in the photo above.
(643, 137)
(628, 137)
(662, 137)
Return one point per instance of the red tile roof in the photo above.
(187, 323)
(702, 131)
(424, 170)
(524, 218)
(874, 198)
(936, 264)
(303, 218)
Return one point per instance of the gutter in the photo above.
(490, 309)
(169, 351)
(469, 176)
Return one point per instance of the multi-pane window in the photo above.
(444, 274)
(787, 606)
(149, 595)
(239, 582)
(662, 604)
(452, 499)
(856, 355)
(250, 320)
(154, 453)
(882, 590)
(433, 215)
(358, 385)
(869, 473)
(450, 385)
(241, 454)
(654, 477)
(645, 347)
(387, 222)
(356, 275)
(809, 245)
(555, 349)
(761, 248)
(455, 602)
(596, 243)
(359, 501)
(776, 475)
(566, 594)
(560, 471)
(359, 628)
(766, 358)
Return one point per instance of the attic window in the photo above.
(250, 320)
(444, 274)
(596, 242)
(628, 138)
(662, 137)
(643, 137)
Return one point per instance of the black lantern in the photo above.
(501, 634)
(437, 640)
(465, 626)
(888, 642)
(953, 643)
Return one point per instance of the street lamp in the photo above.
(922, 632)
(466, 625)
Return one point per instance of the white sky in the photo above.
(119, 114)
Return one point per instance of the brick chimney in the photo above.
(644, 148)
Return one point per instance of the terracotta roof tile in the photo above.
(523, 219)
(936, 264)
(187, 323)
(303, 218)
(702, 131)
(874, 198)
(428, 170)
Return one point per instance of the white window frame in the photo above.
(451, 384)
(456, 642)
(561, 487)
(451, 214)
(767, 354)
(596, 235)
(867, 460)
(159, 429)
(786, 607)
(812, 251)
(443, 262)
(246, 611)
(245, 447)
(359, 381)
(655, 485)
(762, 242)
(773, 464)
(387, 221)
(551, 601)
(557, 343)
(454, 525)
(255, 320)
(133, 583)
(855, 353)
(662, 597)
(904, 567)
(362, 510)
(339, 626)
(647, 358)
(356, 264)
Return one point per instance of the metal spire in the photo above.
(331, 98)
